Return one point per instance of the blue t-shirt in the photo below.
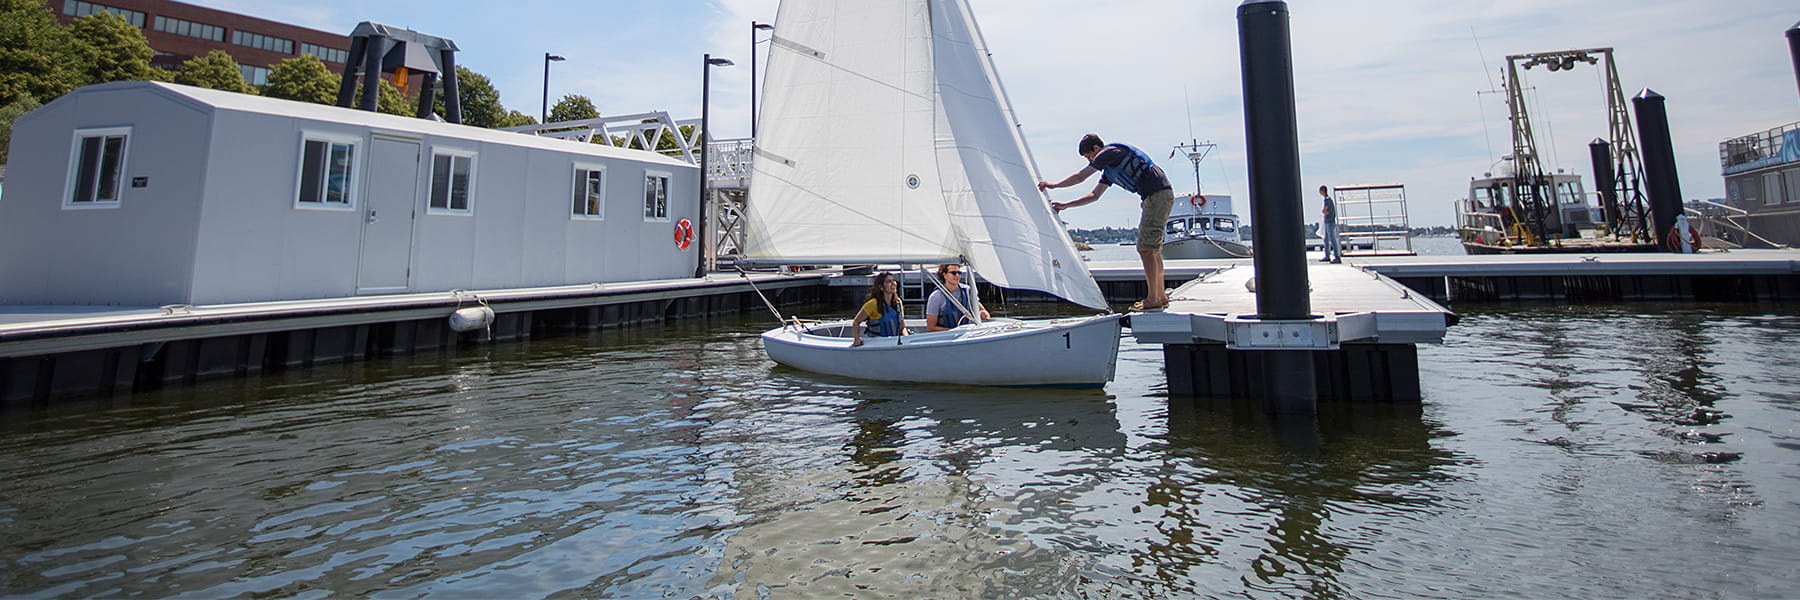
(1130, 168)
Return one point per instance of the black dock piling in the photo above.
(1660, 182)
(1793, 37)
(1274, 162)
(1600, 154)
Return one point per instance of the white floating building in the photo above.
(149, 193)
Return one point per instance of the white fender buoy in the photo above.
(471, 318)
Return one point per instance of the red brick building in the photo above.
(178, 32)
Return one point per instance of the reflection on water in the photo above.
(1561, 451)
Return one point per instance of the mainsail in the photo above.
(886, 138)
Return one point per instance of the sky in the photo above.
(1387, 91)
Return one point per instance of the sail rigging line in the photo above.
(759, 294)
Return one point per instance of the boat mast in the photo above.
(1196, 151)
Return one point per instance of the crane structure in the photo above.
(1618, 169)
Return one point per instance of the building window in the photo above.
(254, 75)
(327, 173)
(190, 29)
(452, 175)
(263, 42)
(96, 168)
(590, 192)
(77, 8)
(656, 196)
(325, 54)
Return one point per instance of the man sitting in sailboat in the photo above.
(946, 311)
(882, 312)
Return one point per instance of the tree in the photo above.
(304, 78)
(35, 59)
(480, 101)
(109, 48)
(217, 70)
(514, 118)
(573, 107)
(12, 111)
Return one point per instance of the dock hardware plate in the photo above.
(1286, 334)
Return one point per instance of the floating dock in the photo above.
(1733, 276)
(1361, 340)
(54, 351)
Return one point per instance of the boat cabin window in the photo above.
(1176, 227)
(1484, 196)
(1793, 184)
(327, 172)
(1224, 225)
(656, 196)
(1772, 188)
(590, 192)
(452, 173)
(96, 168)
(1568, 192)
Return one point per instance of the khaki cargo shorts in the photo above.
(1156, 216)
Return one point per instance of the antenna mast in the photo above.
(1196, 151)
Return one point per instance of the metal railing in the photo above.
(728, 163)
(1759, 149)
(1369, 214)
(642, 130)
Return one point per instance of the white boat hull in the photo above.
(1205, 248)
(1070, 352)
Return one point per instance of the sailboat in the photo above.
(886, 138)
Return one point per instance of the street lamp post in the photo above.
(548, 58)
(754, 26)
(705, 137)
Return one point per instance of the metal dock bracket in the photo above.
(1250, 333)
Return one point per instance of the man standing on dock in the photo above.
(1129, 168)
(1328, 228)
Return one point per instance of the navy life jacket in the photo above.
(889, 324)
(1135, 172)
(951, 316)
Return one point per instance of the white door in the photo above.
(387, 240)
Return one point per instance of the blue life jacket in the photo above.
(1135, 172)
(951, 316)
(889, 324)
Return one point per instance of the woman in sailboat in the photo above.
(940, 312)
(882, 311)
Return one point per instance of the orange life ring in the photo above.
(1684, 243)
(684, 234)
(1199, 201)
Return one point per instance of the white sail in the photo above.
(885, 138)
(1007, 230)
(844, 170)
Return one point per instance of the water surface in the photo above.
(1597, 452)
